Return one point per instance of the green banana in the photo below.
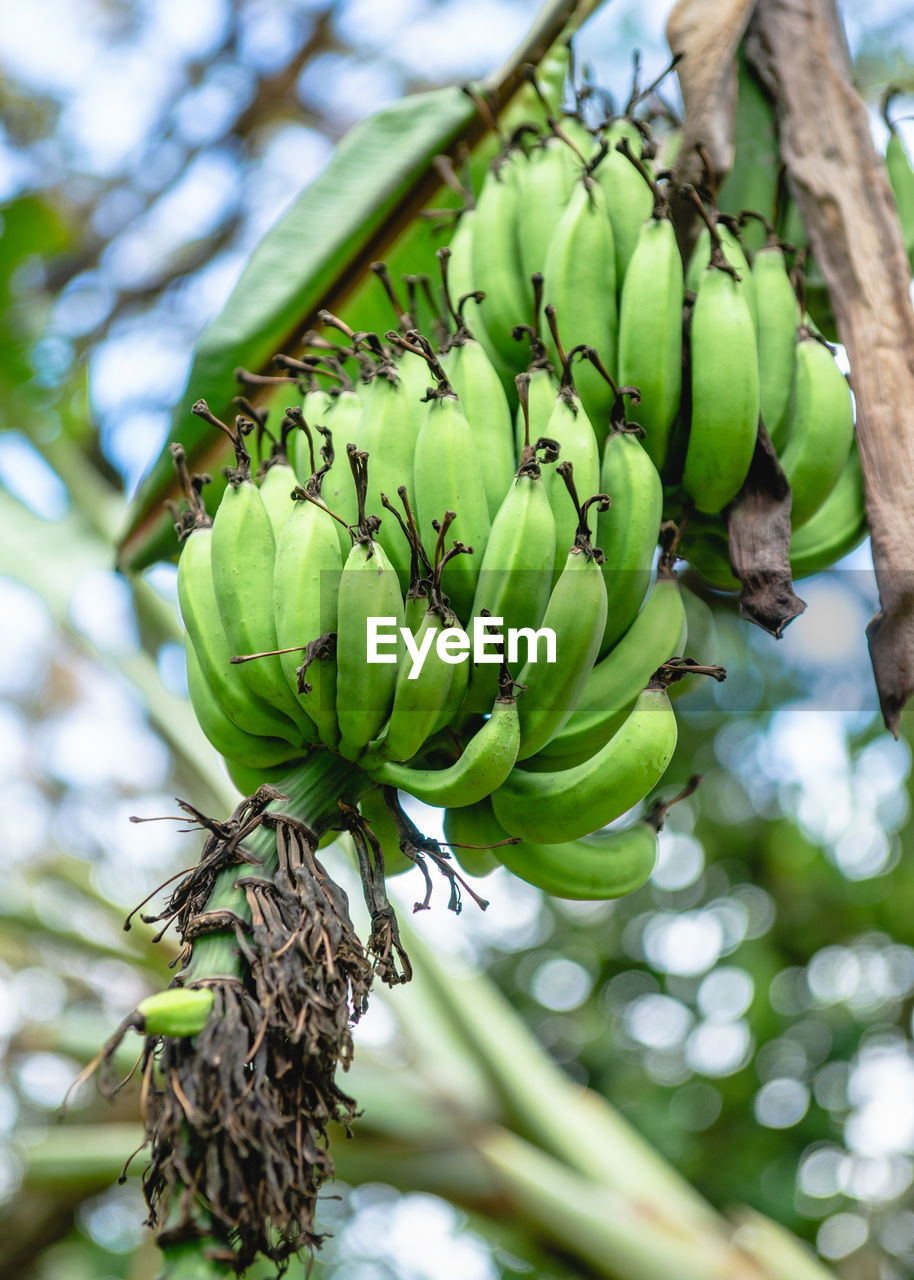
(547, 181)
(482, 766)
(515, 577)
(368, 589)
(571, 429)
(541, 392)
(778, 317)
(420, 697)
(342, 420)
(305, 590)
(628, 196)
(657, 633)
(836, 528)
(179, 1011)
(628, 530)
(576, 614)
(580, 285)
(387, 433)
(223, 733)
(650, 332)
(243, 555)
(317, 404)
(551, 808)
(276, 491)
(496, 258)
(819, 429)
(734, 254)
(725, 392)
(448, 476)
(205, 632)
(608, 864)
(485, 405)
(473, 825)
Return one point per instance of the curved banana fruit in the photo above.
(576, 613)
(387, 433)
(276, 491)
(420, 698)
(448, 476)
(735, 254)
(570, 426)
(551, 808)
(608, 864)
(836, 528)
(628, 197)
(579, 281)
(305, 589)
(628, 530)
(223, 733)
(778, 318)
(650, 332)
(473, 825)
(337, 491)
(243, 555)
(725, 393)
(497, 265)
(485, 405)
(365, 690)
(482, 766)
(657, 633)
(247, 778)
(547, 180)
(200, 612)
(541, 392)
(820, 429)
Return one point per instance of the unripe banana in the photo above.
(205, 632)
(580, 283)
(243, 555)
(317, 405)
(365, 690)
(276, 491)
(657, 633)
(628, 196)
(836, 528)
(820, 429)
(547, 180)
(650, 332)
(576, 615)
(551, 808)
(337, 491)
(247, 779)
(608, 864)
(515, 578)
(387, 433)
(223, 733)
(421, 696)
(485, 406)
(627, 531)
(734, 254)
(778, 317)
(496, 258)
(448, 476)
(482, 766)
(725, 393)
(570, 427)
(473, 825)
(305, 591)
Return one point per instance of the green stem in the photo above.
(313, 790)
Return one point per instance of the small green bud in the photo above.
(180, 1011)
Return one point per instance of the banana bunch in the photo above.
(573, 223)
(379, 647)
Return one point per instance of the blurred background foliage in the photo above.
(749, 1011)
